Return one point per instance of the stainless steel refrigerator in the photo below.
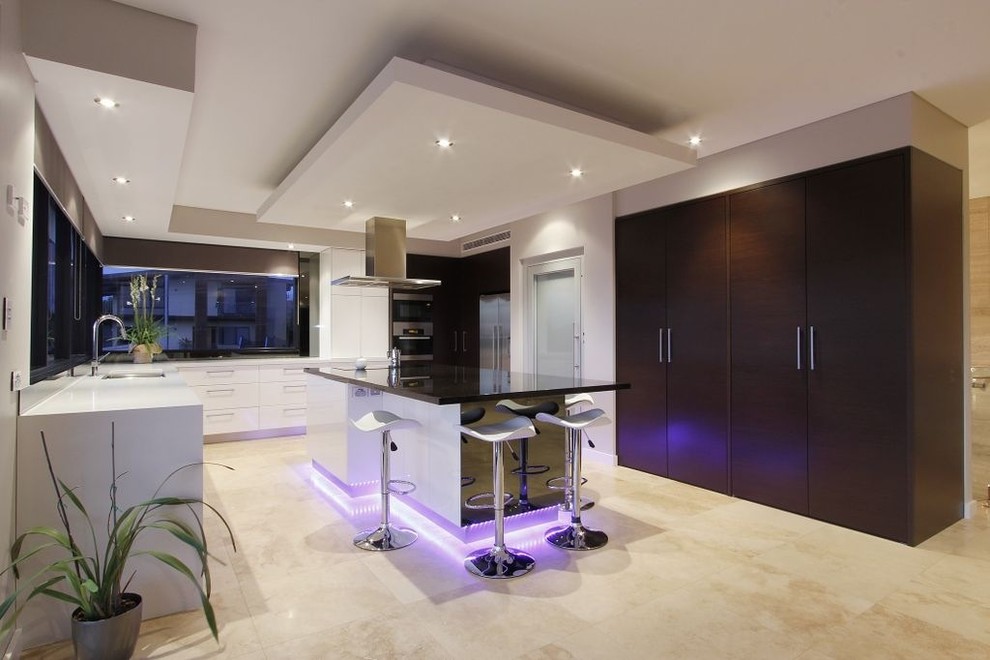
(494, 333)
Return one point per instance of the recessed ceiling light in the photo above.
(576, 172)
(128, 218)
(121, 180)
(695, 140)
(445, 143)
(106, 103)
(455, 218)
(349, 203)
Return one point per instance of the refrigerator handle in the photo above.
(494, 347)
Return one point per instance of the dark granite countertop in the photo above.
(442, 384)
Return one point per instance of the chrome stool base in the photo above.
(499, 563)
(576, 537)
(386, 537)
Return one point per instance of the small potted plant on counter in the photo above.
(107, 618)
(146, 331)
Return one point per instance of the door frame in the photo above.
(543, 266)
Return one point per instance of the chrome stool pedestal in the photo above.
(386, 536)
(575, 536)
(500, 562)
(525, 470)
(563, 482)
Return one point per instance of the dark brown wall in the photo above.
(197, 256)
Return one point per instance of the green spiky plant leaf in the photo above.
(95, 582)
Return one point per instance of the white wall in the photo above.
(586, 228)
(897, 122)
(16, 162)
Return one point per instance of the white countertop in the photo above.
(98, 394)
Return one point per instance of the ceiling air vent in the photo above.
(500, 237)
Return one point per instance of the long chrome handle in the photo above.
(811, 347)
(455, 341)
(670, 354)
(464, 341)
(799, 348)
(494, 352)
(660, 347)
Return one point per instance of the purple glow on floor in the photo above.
(522, 531)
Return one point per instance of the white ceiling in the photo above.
(273, 77)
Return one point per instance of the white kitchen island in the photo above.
(159, 427)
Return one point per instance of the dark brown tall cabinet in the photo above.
(845, 344)
(672, 343)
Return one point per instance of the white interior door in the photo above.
(555, 310)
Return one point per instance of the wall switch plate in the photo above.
(23, 210)
(16, 381)
(11, 198)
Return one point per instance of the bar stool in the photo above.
(563, 482)
(470, 416)
(576, 536)
(525, 470)
(386, 536)
(500, 562)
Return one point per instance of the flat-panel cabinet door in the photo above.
(640, 344)
(697, 344)
(769, 442)
(857, 305)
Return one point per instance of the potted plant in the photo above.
(107, 619)
(146, 331)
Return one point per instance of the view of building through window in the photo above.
(209, 312)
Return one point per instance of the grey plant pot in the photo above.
(108, 639)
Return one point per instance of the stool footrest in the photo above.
(400, 486)
(531, 470)
(473, 501)
(562, 482)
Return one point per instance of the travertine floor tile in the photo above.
(687, 574)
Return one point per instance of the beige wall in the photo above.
(979, 281)
(16, 155)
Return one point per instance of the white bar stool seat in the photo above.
(499, 562)
(386, 536)
(575, 536)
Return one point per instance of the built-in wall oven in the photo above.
(412, 325)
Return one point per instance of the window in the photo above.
(64, 286)
(212, 313)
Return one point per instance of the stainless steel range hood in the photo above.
(385, 258)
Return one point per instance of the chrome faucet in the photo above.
(95, 364)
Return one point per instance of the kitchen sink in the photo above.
(158, 373)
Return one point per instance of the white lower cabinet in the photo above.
(255, 398)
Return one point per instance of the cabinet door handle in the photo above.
(290, 388)
(225, 391)
(670, 354)
(455, 341)
(811, 347)
(799, 348)
(464, 341)
(660, 347)
(222, 372)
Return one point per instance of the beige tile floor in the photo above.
(686, 574)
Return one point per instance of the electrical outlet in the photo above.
(16, 381)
